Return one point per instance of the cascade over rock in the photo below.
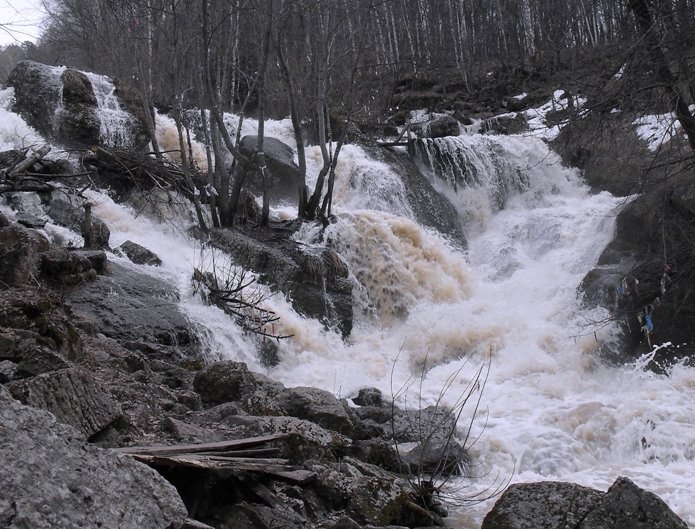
(430, 208)
(317, 285)
(472, 161)
(74, 107)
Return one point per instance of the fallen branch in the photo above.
(30, 161)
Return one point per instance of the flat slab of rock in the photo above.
(136, 309)
(73, 396)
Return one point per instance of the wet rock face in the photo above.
(61, 104)
(139, 254)
(136, 310)
(77, 118)
(36, 93)
(64, 482)
(316, 284)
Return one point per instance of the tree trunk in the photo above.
(663, 72)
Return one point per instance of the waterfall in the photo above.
(432, 312)
(116, 124)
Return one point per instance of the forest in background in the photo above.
(329, 64)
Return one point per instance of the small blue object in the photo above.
(648, 322)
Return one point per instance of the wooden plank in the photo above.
(244, 453)
(298, 476)
(201, 447)
(215, 463)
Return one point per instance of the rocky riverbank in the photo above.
(96, 357)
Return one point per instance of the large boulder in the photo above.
(137, 310)
(279, 157)
(438, 126)
(542, 505)
(626, 506)
(62, 104)
(76, 118)
(19, 255)
(318, 406)
(548, 505)
(316, 283)
(505, 124)
(37, 89)
(232, 382)
(52, 478)
(139, 254)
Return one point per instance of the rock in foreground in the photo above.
(64, 482)
(552, 505)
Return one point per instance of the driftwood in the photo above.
(29, 161)
(236, 456)
(16, 176)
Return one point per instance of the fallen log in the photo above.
(30, 161)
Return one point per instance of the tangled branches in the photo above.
(231, 289)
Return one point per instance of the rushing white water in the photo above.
(549, 410)
(115, 129)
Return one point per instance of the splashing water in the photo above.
(550, 410)
(425, 309)
(116, 125)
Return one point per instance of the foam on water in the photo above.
(116, 124)
(549, 409)
(14, 131)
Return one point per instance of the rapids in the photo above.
(428, 315)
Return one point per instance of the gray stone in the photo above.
(371, 494)
(368, 397)
(443, 126)
(318, 406)
(438, 458)
(626, 506)
(36, 93)
(38, 360)
(73, 396)
(8, 371)
(64, 266)
(51, 478)
(542, 505)
(30, 221)
(139, 254)
(19, 255)
(505, 124)
(284, 173)
(77, 120)
(232, 381)
(135, 308)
